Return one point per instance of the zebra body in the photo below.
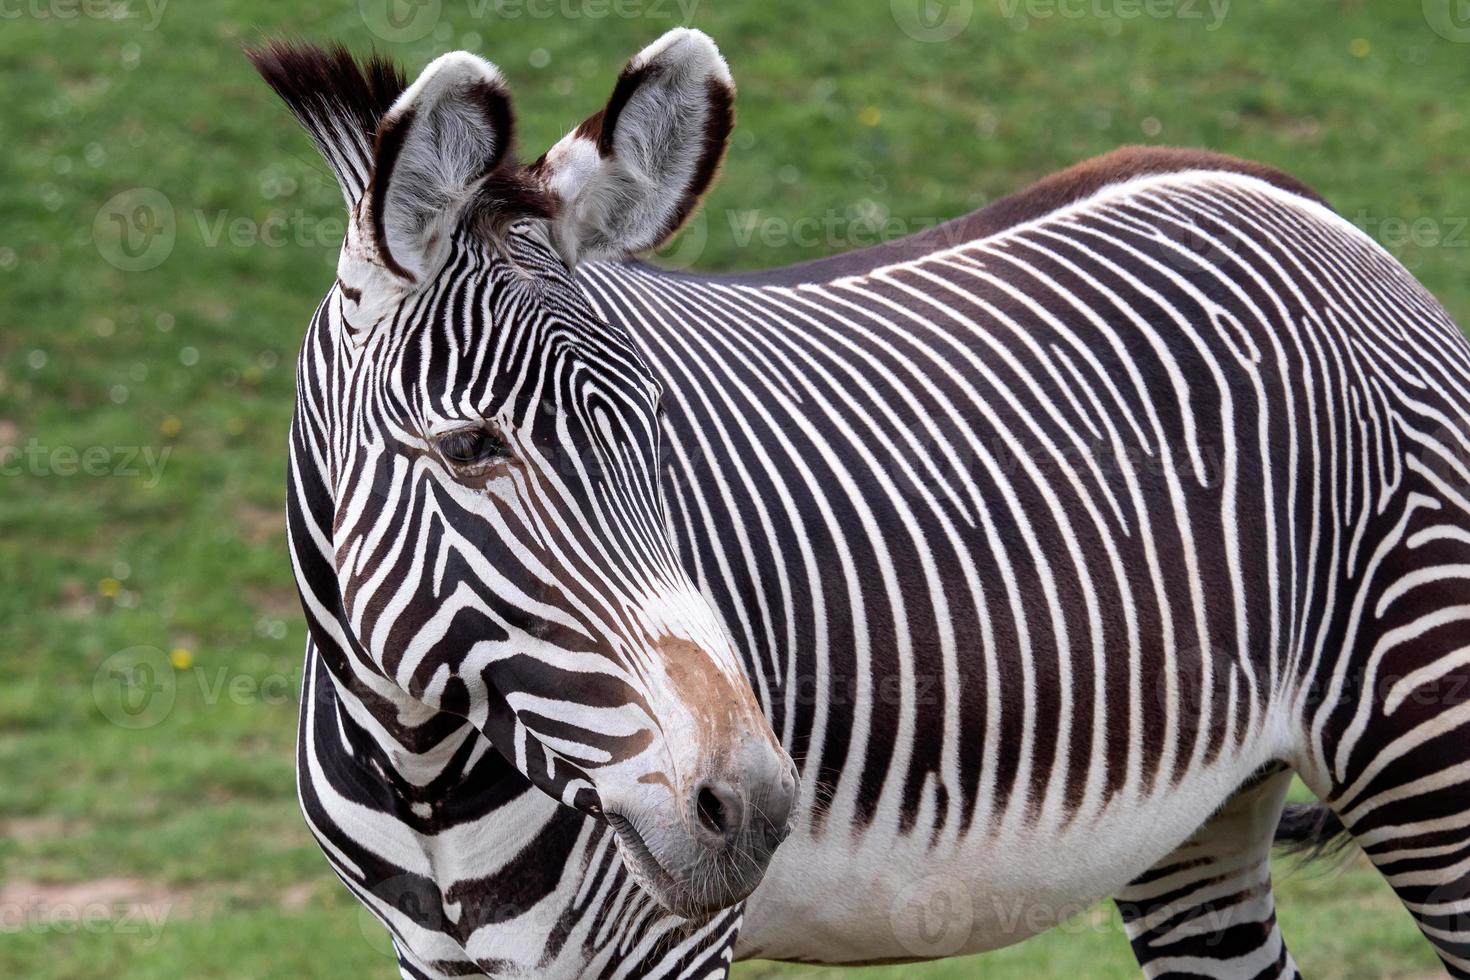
(1110, 597)
(1050, 543)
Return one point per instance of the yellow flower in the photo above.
(1360, 47)
(870, 115)
(171, 426)
(109, 587)
(181, 658)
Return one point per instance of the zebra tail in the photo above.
(1312, 831)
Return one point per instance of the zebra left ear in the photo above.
(629, 176)
(442, 137)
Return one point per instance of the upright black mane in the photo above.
(324, 84)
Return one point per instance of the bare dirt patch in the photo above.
(28, 830)
(299, 896)
(258, 525)
(124, 906)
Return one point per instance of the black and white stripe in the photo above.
(1049, 546)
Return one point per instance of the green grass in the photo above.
(846, 121)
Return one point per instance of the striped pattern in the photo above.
(1045, 555)
(1043, 526)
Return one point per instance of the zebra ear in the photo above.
(438, 142)
(630, 175)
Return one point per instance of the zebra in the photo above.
(1044, 546)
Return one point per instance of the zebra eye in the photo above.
(468, 447)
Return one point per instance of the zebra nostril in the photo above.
(778, 810)
(718, 810)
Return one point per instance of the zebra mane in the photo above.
(338, 99)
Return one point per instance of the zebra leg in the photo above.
(1395, 714)
(1206, 910)
(1402, 748)
(1426, 860)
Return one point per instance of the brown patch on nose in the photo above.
(723, 707)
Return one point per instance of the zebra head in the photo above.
(491, 447)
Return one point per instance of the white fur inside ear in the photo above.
(574, 166)
(573, 163)
(663, 133)
(440, 138)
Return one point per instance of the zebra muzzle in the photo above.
(712, 851)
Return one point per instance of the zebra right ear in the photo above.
(631, 174)
(434, 148)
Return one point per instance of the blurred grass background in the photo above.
(145, 409)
